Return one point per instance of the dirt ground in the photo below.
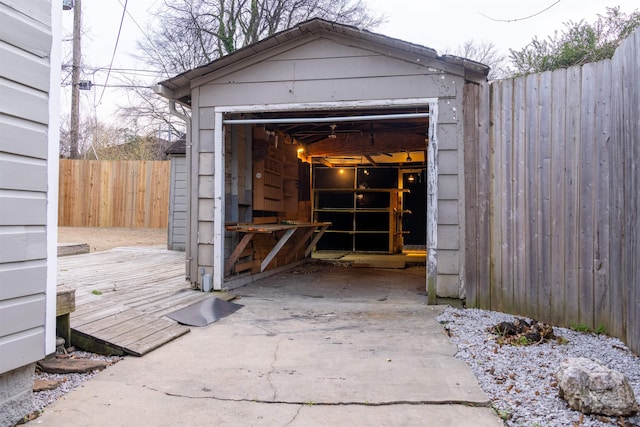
(102, 239)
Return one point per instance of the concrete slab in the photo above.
(321, 345)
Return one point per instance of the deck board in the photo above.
(123, 295)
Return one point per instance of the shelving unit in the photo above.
(268, 192)
(363, 219)
(275, 176)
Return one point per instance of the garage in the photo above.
(326, 138)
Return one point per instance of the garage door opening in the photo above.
(354, 170)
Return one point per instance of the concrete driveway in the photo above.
(317, 346)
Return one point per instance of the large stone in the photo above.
(44, 385)
(591, 388)
(69, 366)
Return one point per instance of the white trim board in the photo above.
(432, 172)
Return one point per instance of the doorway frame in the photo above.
(432, 172)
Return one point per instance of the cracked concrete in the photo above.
(369, 352)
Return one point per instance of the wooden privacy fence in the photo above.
(120, 193)
(553, 197)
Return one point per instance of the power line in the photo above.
(153, 45)
(133, 70)
(523, 18)
(123, 86)
(115, 48)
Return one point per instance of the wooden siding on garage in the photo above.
(330, 70)
(178, 199)
(326, 71)
(25, 42)
(562, 158)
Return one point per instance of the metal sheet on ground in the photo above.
(204, 312)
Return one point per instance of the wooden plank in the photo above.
(558, 146)
(293, 254)
(136, 330)
(587, 182)
(65, 301)
(283, 240)
(533, 237)
(616, 189)
(94, 345)
(471, 143)
(506, 195)
(524, 142)
(544, 248)
(602, 307)
(483, 189)
(572, 231)
(497, 118)
(236, 253)
(265, 220)
(315, 240)
(159, 338)
(244, 266)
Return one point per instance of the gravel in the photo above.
(520, 380)
(68, 382)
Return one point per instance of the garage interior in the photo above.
(360, 171)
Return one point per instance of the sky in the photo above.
(439, 24)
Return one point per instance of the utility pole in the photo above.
(75, 81)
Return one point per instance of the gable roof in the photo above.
(178, 147)
(178, 87)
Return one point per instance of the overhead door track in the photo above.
(325, 119)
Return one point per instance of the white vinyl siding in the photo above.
(25, 45)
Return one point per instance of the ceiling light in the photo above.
(332, 135)
(409, 159)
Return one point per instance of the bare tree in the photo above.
(144, 113)
(486, 53)
(191, 33)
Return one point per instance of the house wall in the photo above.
(178, 197)
(25, 48)
(323, 70)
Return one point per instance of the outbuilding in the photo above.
(177, 223)
(329, 137)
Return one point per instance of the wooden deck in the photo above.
(122, 296)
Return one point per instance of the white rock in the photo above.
(592, 388)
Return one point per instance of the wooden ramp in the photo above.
(122, 296)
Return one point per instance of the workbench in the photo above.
(250, 230)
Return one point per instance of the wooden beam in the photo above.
(300, 244)
(315, 240)
(370, 160)
(355, 144)
(236, 253)
(276, 248)
(325, 162)
(94, 345)
(65, 301)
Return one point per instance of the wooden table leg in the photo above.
(300, 244)
(315, 240)
(277, 248)
(236, 253)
